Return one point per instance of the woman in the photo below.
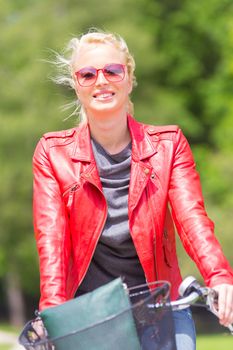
(102, 192)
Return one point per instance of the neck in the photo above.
(111, 133)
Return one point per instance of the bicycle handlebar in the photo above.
(185, 302)
(191, 291)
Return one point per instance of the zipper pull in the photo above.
(71, 194)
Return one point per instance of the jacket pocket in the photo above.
(167, 249)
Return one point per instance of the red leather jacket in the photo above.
(70, 209)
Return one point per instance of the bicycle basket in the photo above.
(153, 317)
(139, 318)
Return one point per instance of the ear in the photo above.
(76, 89)
(130, 86)
(75, 84)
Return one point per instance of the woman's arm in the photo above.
(51, 229)
(196, 230)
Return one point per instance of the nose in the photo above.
(101, 78)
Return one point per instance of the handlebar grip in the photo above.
(190, 289)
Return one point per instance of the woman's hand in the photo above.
(225, 303)
(39, 329)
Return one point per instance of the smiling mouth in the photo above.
(104, 95)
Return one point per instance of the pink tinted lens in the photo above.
(86, 76)
(114, 72)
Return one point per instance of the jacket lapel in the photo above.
(83, 153)
(142, 149)
(82, 149)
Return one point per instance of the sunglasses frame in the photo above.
(104, 73)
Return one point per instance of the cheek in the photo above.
(81, 93)
(130, 85)
(130, 88)
(76, 88)
(126, 88)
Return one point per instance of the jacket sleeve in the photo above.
(196, 230)
(51, 229)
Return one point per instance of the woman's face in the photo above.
(103, 96)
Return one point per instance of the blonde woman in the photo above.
(102, 192)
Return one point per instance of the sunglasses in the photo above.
(113, 72)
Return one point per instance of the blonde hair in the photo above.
(66, 64)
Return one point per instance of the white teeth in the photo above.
(104, 96)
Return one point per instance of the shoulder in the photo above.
(161, 129)
(172, 133)
(59, 134)
(155, 132)
(53, 139)
(162, 132)
(57, 138)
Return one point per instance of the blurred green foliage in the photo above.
(183, 50)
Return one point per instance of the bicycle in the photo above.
(152, 317)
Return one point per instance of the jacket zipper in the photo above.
(154, 235)
(102, 226)
(71, 188)
(71, 194)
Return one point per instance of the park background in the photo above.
(184, 67)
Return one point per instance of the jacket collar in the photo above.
(82, 150)
(142, 146)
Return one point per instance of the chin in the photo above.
(106, 108)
